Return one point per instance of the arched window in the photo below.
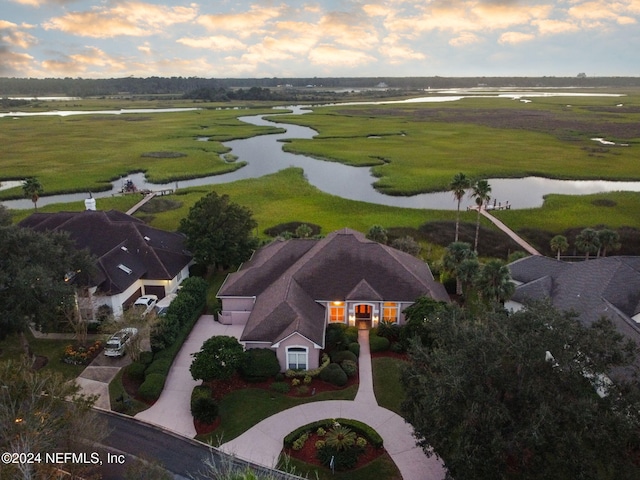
(297, 358)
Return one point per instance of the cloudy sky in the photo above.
(306, 38)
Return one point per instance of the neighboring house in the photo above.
(602, 287)
(290, 290)
(133, 259)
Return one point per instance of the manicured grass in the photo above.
(84, 152)
(381, 468)
(116, 390)
(386, 382)
(242, 409)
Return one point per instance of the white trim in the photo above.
(315, 345)
(300, 349)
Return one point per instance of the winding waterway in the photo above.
(264, 155)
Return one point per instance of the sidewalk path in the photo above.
(262, 443)
(514, 236)
(172, 410)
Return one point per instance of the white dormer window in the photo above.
(124, 249)
(147, 238)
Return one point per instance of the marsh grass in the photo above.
(85, 152)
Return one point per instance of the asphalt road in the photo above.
(184, 458)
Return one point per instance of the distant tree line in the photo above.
(84, 87)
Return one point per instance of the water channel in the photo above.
(264, 155)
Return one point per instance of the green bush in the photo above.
(352, 334)
(336, 337)
(160, 365)
(135, 371)
(389, 330)
(360, 428)
(152, 386)
(342, 355)
(349, 367)
(334, 374)
(145, 358)
(354, 347)
(203, 408)
(378, 344)
(398, 347)
(342, 459)
(309, 373)
(280, 387)
(259, 364)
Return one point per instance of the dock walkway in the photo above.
(137, 206)
(516, 238)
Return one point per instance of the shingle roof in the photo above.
(288, 277)
(116, 238)
(606, 286)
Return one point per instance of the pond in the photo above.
(264, 155)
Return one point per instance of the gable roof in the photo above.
(289, 277)
(125, 247)
(601, 287)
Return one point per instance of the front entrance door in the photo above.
(363, 316)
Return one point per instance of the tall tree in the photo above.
(32, 189)
(609, 240)
(494, 283)
(35, 269)
(455, 254)
(488, 401)
(459, 186)
(42, 412)
(559, 244)
(481, 192)
(219, 232)
(5, 216)
(588, 241)
(218, 359)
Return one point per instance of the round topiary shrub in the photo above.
(342, 355)
(349, 367)
(354, 347)
(259, 364)
(378, 344)
(145, 358)
(334, 374)
(204, 409)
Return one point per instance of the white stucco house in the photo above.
(290, 290)
(132, 258)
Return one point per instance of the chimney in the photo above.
(90, 203)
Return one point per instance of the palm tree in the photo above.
(459, 186)
(456, 253)
(467, 274)
(609, 240)
(32, 188)
(559, 244)
(494, 282)
(480, 191)
(587, 241)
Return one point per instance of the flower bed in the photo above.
(79, 355)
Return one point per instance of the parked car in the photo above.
(117, 343)
(145, 304)
(162, 306)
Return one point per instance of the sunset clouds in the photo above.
(110, 38)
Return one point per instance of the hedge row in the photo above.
(155, 373)
(360, 428)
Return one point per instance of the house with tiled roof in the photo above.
(601, 287)
(290, 290)
(132, 258)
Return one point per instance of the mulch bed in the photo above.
(307, 453)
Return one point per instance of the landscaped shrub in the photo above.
(352, 334)
(398, 347)
(145, 357)
(259, 364)
(161, 365)
(389, 330)
(378, 344)
(152, 386)
(203, 408)
(334, 374)
(280, 387)
(349, 367)
(135, 371)
(309, 373)
(336, 337)
(165, 331)
(360, 428)
(354, 347)
(342, 355)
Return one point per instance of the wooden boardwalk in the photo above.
(146, 198)
(516, 238)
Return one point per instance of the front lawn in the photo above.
(386, 382)
(242, 409)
